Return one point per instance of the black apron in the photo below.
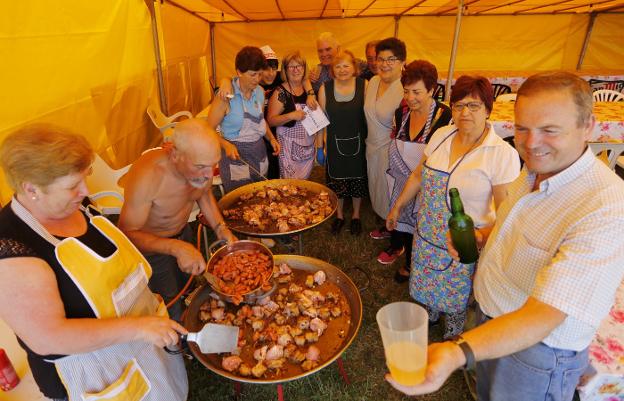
(346, 134)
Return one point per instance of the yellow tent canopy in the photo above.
(94, 66)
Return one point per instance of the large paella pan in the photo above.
(277, 207)
(339, 334)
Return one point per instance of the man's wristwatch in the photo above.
(471, 363)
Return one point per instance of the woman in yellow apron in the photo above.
(72, 286)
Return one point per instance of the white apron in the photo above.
(379, 116)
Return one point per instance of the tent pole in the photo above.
(590, 27)
(159, 72)
(397, 19)
(451, 70)
(213, 56)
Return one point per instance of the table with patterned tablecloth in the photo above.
(514, 79)
(605, 379)
(609, 120)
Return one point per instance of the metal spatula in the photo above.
(215, 338)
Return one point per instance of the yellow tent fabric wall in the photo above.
(486, 43)
(287, 36)
(188, 62)
(498, 43)
(606, 45)
(85, 65)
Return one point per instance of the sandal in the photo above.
(355, 227)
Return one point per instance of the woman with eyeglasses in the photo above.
(296, 157)
(383, 96)
(342, 99)
(469, 156)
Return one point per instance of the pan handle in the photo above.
(215, 245)
(180, 349)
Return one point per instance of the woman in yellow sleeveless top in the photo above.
(72, 287)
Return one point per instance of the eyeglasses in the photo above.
(293, 67)
(472, 106)
(390, 60)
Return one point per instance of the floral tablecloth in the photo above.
(605, 379)
(514, 79)
(609, 120)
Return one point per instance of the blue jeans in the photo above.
(538, 373)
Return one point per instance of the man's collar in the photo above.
(569, 174)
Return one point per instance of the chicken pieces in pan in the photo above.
(281, 209)
(284, 334)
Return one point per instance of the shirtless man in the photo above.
(161, 188)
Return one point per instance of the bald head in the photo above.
(196, 149)
(195, 139)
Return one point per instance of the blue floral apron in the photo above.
(436, 280)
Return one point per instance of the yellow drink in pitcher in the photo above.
(407, 362)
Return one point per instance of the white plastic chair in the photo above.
(165, 123)
(507, 97)
(105, 192)
(613, 151)
(607, 95)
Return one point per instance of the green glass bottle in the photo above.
(462, 230)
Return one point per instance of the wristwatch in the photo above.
(471, 363)
(311, 92)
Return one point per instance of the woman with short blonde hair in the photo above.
(41, 153)
(296, 156)
(342, 98)
(65, 272)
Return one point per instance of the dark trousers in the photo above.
(273, 172)
(398, 240)
(167, 278)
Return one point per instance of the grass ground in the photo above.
(363, 360)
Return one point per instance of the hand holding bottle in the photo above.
(451, 248)
(461, 229)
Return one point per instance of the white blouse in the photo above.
(493, 162)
